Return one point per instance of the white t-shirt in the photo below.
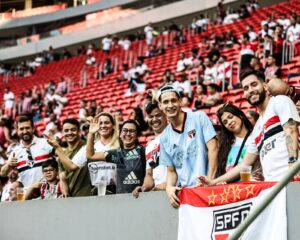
(252, 36)
(9, 99)
(106, 43)
(269, 140)
(141, 69)
(149, 32)
(152, 161)
(184, 87)
(293, 32)
(284, 22)
(210, 74)
(182, 64)
(125, 44)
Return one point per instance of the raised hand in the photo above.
(13, 162)
(52, 141)
(94, 125)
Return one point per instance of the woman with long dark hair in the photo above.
(233, 138)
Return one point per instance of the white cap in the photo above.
(165, 89)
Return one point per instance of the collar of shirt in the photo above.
(34, 140)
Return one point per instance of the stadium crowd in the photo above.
(74, 156)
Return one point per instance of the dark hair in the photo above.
(150, 107)
(129, 121)
(253, 114)
(260, 75)
(297, 97)
(246, 35)
(226, 138)
(72, 121)
(22, 119)
(50, 163)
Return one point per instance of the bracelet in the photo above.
(292, 159)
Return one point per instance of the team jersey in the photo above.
(48, 191)
(159, 172)
(186, 150)
(249, 48)
(30, 160)
(130, 167)
(269, 140)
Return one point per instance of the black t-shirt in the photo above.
(131, 167)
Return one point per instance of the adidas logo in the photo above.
(132, 155)
(131, 179)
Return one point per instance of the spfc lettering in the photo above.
(228, 219)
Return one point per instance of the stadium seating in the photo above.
(111, 94)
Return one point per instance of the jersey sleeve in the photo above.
(285, 109)
(165, 159)
(207, 127)
(80, 159)
(252, 147)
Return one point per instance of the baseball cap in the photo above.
(165, 89)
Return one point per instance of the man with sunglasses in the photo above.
(29, 155)
(188, 147)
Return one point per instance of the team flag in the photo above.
(213, 213)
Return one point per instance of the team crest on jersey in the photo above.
(226, 220)
(192, 133)
(30, 163)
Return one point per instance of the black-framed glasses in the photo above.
(130, 131)
(49, 170)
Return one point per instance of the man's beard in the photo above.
(261, 99)
(27, 137)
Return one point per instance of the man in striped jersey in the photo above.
(275, 136)
(29, 155)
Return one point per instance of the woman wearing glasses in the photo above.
(233, 138)
(130, 158)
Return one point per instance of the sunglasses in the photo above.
(29, 154)
(224, 105)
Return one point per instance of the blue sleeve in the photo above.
(207, 127)
(164, 157)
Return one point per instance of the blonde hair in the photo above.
(114, 143)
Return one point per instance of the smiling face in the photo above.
(157, 120)
(70, 133)
(128, 135)
(170, 104)
(106, 127)
(25, 131)
(254, 90)
(233, 123)
(50, 173)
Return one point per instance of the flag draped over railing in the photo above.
(213, 213)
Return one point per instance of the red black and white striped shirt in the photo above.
(30, 160)
(268, 139)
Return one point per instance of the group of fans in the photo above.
(186, 151)
(187, 148)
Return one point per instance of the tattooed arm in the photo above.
(291, 132)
